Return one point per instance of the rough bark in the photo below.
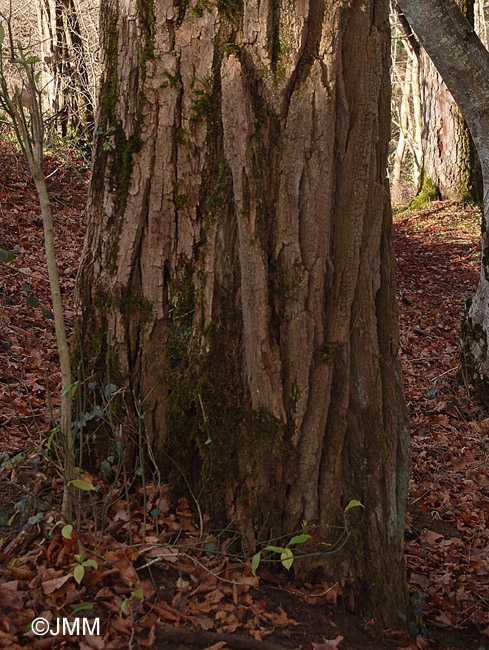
(239, 261)
(449, 156)
(463, 62)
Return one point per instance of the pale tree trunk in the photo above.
(410, 109)
(449, 156)
(239, 261)
(417, 129)
(480, 20)
(64, 76)
(463, 62)
(403, 122)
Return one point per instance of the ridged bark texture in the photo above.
(449, 156)
(239, 259)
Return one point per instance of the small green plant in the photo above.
(83, 564)
(108, 137)
(286, 553)
(137, 594)
(414, 614)
(33, 301)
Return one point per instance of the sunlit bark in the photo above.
(239, 262)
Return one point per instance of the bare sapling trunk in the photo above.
(25, 112)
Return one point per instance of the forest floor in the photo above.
(172, 573)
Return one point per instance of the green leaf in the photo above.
(79, 483)
(299, 539)
(255, 563)
(211, 548)
(32, 300)
(354, 503)
(66, 531)
(2, 34)
(47, 312)
(275, 549)
(137, 593)
(82, 608)
(6, 256)
(92, 563)
(35, 519)
(287, 558)
(78, 573)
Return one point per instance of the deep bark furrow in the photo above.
(254, 195)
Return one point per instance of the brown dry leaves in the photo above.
(448, 532)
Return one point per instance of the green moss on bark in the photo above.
(205, 410)
(427, 193)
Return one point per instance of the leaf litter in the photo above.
(166, 588)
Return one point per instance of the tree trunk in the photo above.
(481, 11)
(449, 156)
(239, 261)
(64, 78)
(410, 111)
(463, 63)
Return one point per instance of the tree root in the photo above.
(203, 638)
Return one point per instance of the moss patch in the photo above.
(205, 406)
(325, 353)
(428, 192)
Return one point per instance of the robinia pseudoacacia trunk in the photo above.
(239, 262)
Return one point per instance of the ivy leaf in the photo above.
(32, 300)
(47, 312)
(6, 256)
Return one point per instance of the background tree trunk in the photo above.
(239, 261)
(481, 12)
(64, 78)
(463, 62)
(407, 106)
(449, 156)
